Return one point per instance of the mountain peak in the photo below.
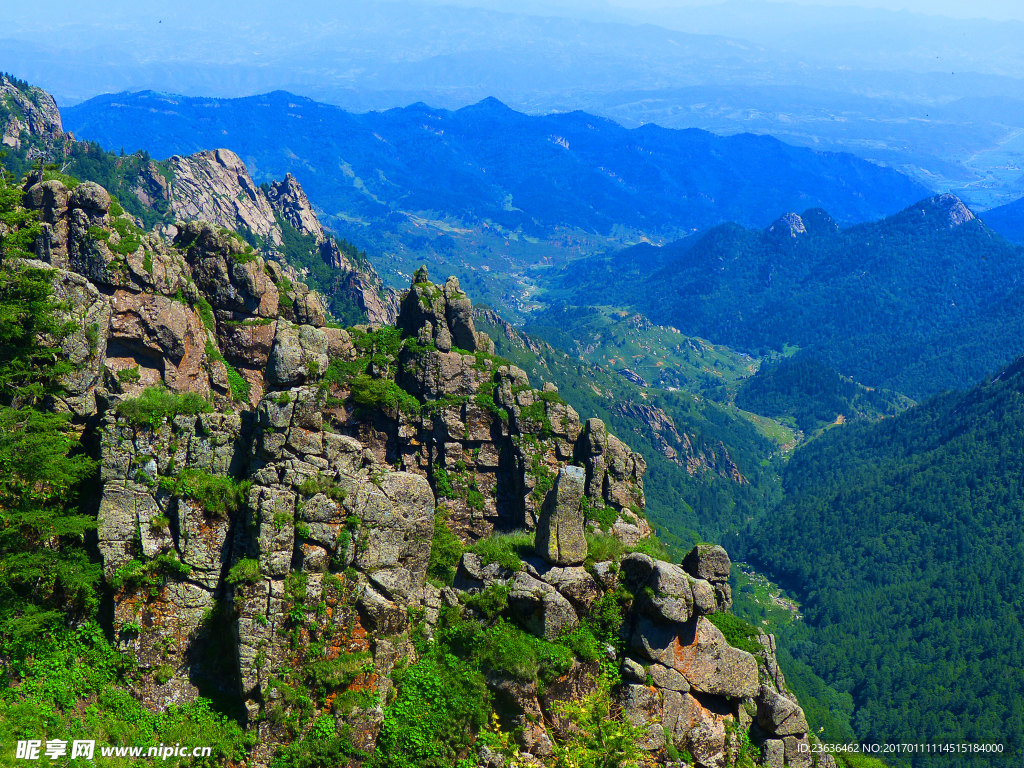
(788, 225)
(948, 209)
(490, 104)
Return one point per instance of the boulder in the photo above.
(560, 538)
(711, 563)
(633, 670)
(90, 197)
(668, 678)
(640, 703)
(700, 653)
(670, 597)
(708, 561)
(573, 582)
(710, 665)
(774, 753)
(778, 715)
(540, 608)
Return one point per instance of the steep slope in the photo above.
(379, 538)
(923, 300)
(908, 565)
(488, 162)
(1007, 220)
(708, 469)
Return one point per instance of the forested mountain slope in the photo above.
(813, 395)
(488, 162)
(904, 539)
(708, 469)
(923, 300)
(1007, 220)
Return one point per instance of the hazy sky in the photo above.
(988, 9)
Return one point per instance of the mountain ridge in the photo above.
(930, 294)
(367, 155)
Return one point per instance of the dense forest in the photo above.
(813, 396)
(925, 300)
(904, 538)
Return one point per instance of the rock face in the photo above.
(560, 538)
(215, 186)
(689, 683)
(292, 527)
(28, 113)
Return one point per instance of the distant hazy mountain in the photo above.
(886, 86)
(488, 162)
(921, 301)
(1008, 220)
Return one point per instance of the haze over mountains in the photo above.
(938, 98)
(487, 161)
(911, 618)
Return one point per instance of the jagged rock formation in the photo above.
(215, 186)
(31, 116)
(679, 448)
(212, 186)
(289, 534)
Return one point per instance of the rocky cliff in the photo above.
(290, 513)
(212, 186)
(215, 186)
(29, 118)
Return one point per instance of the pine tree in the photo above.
(44, 568)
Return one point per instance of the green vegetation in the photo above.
(240, 388)
(320, 483)
(53, 655)
(206, 313)
(683, 508)
(662, 357)
(598, 740)
(370, 393)
(302, 252)
(505, 549)
(154, 404)
(45, 570)
(925, 306)
(910, 538)
(813, 396)
(61, 668)
(218, 495)
(442, 701)
(445, 550)
(738, 633)
(245, 571)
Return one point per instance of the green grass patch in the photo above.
(241, 390)
(218, 495)
(245, 571)
(154, 404)
(738, 633)
(505, 549)
(370, 393)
